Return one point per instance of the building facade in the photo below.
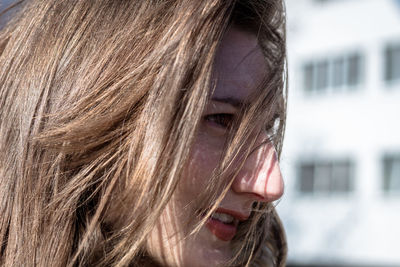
(341, 156)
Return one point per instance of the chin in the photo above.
(206, 250)
(203, 249)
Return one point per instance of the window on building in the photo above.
(326, 177)
(333, 74)
(308, 77)
(392, 63)
(322, 75)
(307, 177)
(391, 174)
(338, 72)
(354, 69)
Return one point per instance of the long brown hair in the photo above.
(99, 105)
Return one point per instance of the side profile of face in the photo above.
(240, 67)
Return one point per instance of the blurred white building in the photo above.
(341, 158)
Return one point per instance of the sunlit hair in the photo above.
(100, 102)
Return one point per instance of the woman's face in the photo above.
(240, 67)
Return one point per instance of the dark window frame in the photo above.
(322, 177)
(334, 74)
(392, 63)
(391, 174)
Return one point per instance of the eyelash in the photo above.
(223, 120)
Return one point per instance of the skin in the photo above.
(240, 67)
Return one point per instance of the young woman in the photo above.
(142, 133)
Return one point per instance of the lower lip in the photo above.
(223, 231)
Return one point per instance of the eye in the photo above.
(223, 120)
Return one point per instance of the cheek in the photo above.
(167, 241)
(203, 160)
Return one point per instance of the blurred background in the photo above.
(4, 4)
(341, 156)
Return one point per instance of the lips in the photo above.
(223, 223)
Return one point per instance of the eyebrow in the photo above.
(237, 103)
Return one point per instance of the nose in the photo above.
(260, 177)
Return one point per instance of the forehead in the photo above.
(240, 65)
